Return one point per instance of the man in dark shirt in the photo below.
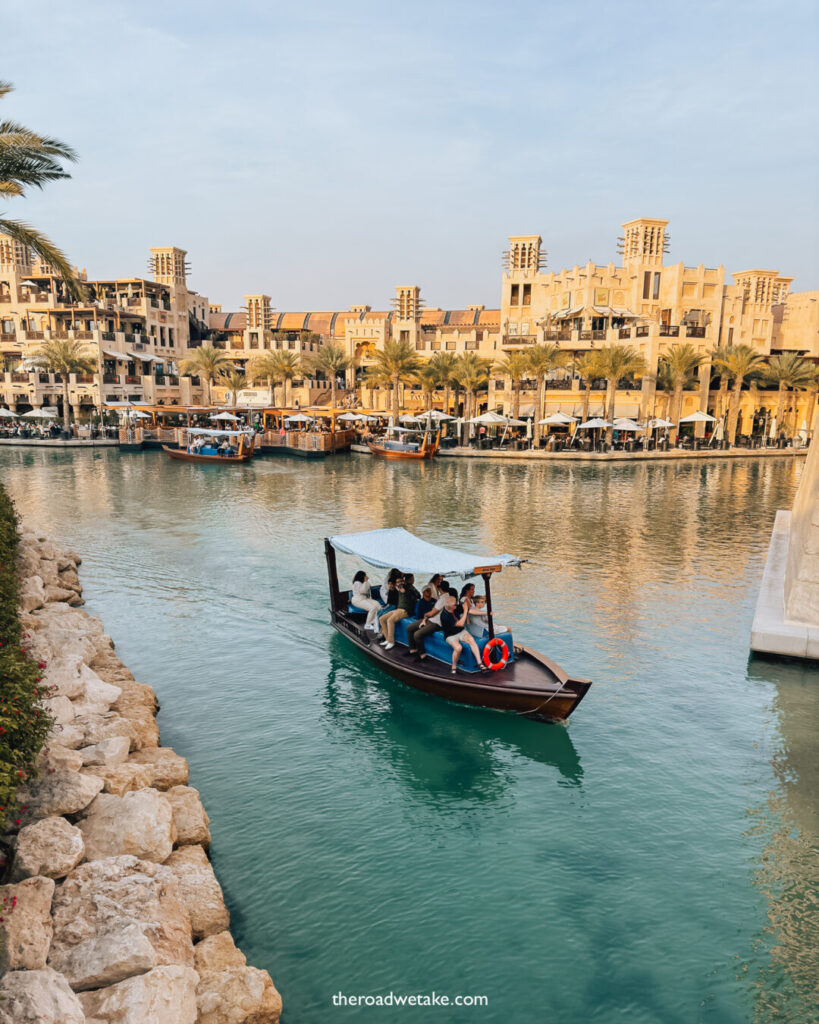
(453, 623)
(408, 597)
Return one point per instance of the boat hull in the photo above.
(396, 456)
(185, 456)
(513, 689)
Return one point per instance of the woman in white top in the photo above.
(360, 598)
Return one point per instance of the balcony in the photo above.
(83, 378)
(669, 331)
(43, 378)
(557, 335)
(694, 332)
(641, 332)
(110, 378)
(518, 339)
(132, 379)
(108, 336)
(624, 332)
(84, 335)
(5, 298)
(19, 378)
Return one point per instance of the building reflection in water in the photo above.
(786, 978)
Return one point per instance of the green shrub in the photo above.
(24, 725)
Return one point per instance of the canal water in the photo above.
(654, 861)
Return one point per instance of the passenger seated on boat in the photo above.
(455, 633)
(389, 594)
(425, 603)
(435, 586)
(430, 623)
(408, 597)
(360, 598)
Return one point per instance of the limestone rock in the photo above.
(108, 666)
(49, 848)
(67, 736)
(239, 995)
(96, 728)
(110, 752)
(120, 779)
(38, 997)
(60, 709)
(169, 768)
(112, 955)
(139, 823)
(165, 995)
(190, 817)
(104, 894)
(96, 690)
(62, 674)
(201, 891)
(32, 594)
(64, 792)
(25, 931)
(56, 757)
(55, 593)
(69, 579)
(217, 953)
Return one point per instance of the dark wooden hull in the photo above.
(531, 685)
(424, 452)
(211, 460)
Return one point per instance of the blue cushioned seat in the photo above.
(437, 647)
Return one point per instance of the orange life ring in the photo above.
(496, 666)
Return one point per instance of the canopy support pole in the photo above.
(489, 620)
(332, 573)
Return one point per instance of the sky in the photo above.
(325, 152)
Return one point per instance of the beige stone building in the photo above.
(142, 328)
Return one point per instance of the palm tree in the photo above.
(590, 368)
(208, 363)
(618, 361)
(288, 366)
(265, 367)
(541, 360)
(664, 383)
(234, 380)
(331, 361)
(515, 366)
(65, 357)
(681, 363)
(739, 362)
(472, 373)
(445, 364)
(395, 364)
(719, 370)
(787, 370)
(427, 377)
(29, 160)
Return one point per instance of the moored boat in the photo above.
(207, 445)
(522, 680)
(406, 445)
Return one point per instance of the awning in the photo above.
(626, 410)
(398, 548)
(626, 314)
(144, 358)
(567, 313)
(124, 356)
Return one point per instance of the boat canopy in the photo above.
(398, 548)
(213, 432)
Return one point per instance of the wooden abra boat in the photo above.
(203, 446)
(396, 448)
(527, 682)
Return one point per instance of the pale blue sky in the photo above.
(325, 152)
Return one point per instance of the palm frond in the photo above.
(48, 253)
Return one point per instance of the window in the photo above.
(655, 294)
(647, 284)
(527, 295)
(404, 335)
(730, 336)
(514, 297)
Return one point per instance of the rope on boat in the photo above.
(526, 714)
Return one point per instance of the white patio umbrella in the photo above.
(698, 417)
(626, 424)
(408, 418)
(298, 418)
(490, 419)
(594, 424)
(659, 424)
(557, 419)
(350, 417)
(7, 414)
(224, 417)
(772, 431)
(802, 433)
(436, 414)
(719, 432)
(40, 414)
(139, 414)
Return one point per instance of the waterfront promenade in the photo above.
(531, 455)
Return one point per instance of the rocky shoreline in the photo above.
(111, 913)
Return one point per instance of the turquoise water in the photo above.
(654, 861)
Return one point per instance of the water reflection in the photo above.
(442, 752)
(787, 871)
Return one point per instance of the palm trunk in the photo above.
(733, 410)
(271, 398)
(66, 405)
(446, 399)
(333, 391)
(396, 399)
(586, 401)
(678, 393)
(780, 404)
(209, 382)
(722, 397)
(516, 399)
(611, 392)
(537, 417)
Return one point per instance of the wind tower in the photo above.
(407, 306)
(522, 261)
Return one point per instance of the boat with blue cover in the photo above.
(521, 680)
(206, 444)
